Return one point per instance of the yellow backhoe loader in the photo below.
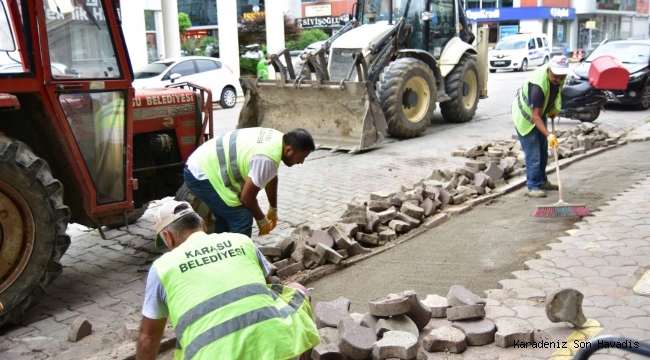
(385, 73)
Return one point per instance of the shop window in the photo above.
(151, 36)
(504, 3)
(474, 4)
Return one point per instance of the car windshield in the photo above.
(627, 53)
(510, 44)
(151, 70)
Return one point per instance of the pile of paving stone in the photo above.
(401, 326)
(582, 138)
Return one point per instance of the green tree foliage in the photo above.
(248, 66)
(188, 45)
(184, 22)
(209, 46)
(253, 30)
(305, 38)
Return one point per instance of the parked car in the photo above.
(57, 68)
(635, 56)
(518, 51)
(202, 70)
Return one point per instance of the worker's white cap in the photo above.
(559, 65)
(169, 212)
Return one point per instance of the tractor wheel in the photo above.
(228, 98)
(33, 221)
(201, 208)
(461, 84)
(407, 92)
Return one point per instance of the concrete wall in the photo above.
(132, 13)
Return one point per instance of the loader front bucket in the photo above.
(340, 116)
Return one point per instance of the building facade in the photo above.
(570, 25)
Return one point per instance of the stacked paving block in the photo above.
(401, 326)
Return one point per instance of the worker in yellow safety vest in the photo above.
(227, 173)
(213, 289)
(538, 99)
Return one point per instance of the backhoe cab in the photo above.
(382, 76)
(77, 142)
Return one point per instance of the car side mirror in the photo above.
(174, 77)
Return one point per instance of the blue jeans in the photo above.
(535, 147)
(236, 219)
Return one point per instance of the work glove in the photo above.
(552, 141)
(272, 215)
(264, 225)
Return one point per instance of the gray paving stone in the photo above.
(437, 304)
(565, 305)
(79, 329)
(495, 312)
(466, 312)
(445, 339)
(399, 226)
(458, 295)
(478, 332)
(328, 253)
(370, 321)
(357, 249)
(511, 330)
(396, 323)
(328, 314)
(356, 341)
(387, 235)
(413, 222)
(412, 210)
(389, 305)
(328, 348)
(396, 344)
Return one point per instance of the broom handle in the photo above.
(557, 165)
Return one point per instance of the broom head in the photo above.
(561, 209)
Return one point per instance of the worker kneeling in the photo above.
(213, 289)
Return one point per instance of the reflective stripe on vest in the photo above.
(223, 167)
(226, 165)
(243, 321)
(521, 111)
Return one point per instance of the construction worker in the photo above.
(213, 289)
(228, 172)
(538, 99)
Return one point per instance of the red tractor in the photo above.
(77, 142)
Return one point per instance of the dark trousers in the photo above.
(535, 147)
(236, 219)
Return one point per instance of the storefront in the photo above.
(506, 21)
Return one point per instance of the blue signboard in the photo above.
(505, 30)
(523, 13)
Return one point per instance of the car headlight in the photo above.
(636, 76)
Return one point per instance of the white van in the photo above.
(518, 52)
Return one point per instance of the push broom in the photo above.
(560, 208)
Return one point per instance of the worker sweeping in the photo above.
(228, 172)
(538, 99)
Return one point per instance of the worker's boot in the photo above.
(549, 186)
(536, 193)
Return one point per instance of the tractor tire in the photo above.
(461, 84)
(407, 92)
(33, 222)
(131, 217)
(201, 208)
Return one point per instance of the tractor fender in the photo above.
(424, 57)
(452, 53)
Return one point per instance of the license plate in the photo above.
(499, 63)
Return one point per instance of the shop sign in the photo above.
(319, 22)
(524, 13)
(318, 10)
(253, 15)
(590, 25)
(560, 12)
